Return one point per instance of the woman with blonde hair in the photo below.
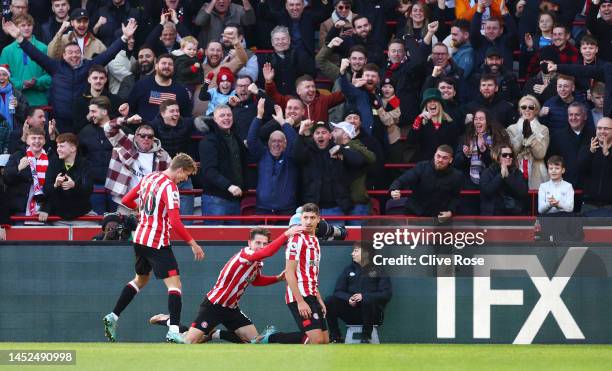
(432, 127)
(530, 141)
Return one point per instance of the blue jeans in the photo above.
(213, 205)
(102, 202)
(358, 209)
(186, 200)
(335, 211)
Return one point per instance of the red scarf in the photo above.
(38, 177)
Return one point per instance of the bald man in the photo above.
(598, 179)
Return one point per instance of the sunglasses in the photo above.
(343, 7)
(146, 136)
(507, 155)
(531, 108)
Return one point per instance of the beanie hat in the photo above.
(5, 68)
(225, 74)
(431, 94)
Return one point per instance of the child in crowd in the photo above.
(222, 93)
(187, 66)
(556, 195)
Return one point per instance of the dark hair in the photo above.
(449, 80)
(488, 77)
(261, 231)
(145, 46)
(463, 24)
(237, 26)
(589, 40)
(358, 18)
(396, 41)
(167, 103)
(303, 78)
(371, 67)
(102, 102)
(97, 68)
(555, 160)
(244, 77)
(563, 26)
(445, 148)
(311, 208)
(496, 152)
(162, 56)
(32, 110)
(68, 137)
(358, 48)
(496, 131)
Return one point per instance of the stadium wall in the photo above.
(61, 292)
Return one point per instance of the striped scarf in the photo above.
(38, 168)
(476, 164)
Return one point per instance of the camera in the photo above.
(117, 227)
(329, 232)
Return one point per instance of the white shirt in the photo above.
(141, 167)
(561, 191)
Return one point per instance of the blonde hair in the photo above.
(533, 100)
(188, 40)
(185, 162)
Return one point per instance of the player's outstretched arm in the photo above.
(275, 245)
(177, 225)
(129, 200)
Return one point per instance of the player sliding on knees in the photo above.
(158, 203)
(220, 305)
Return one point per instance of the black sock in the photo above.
(127, 294)
(174, 306)
(287, 338)
(182, 328)
(230, 336)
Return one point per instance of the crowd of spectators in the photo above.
(320, 94)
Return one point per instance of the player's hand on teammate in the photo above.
(295, 230)
(304, 309)
(281, 276)
(198, 253)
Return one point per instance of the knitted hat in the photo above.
(388, 81)
(5, 68)
(431, 94)
(225, 74)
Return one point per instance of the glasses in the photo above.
(343, 7)
(507, 155)
(531, 108)
(604, 128)
(146, 136)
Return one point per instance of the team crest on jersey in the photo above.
(314, 262)
(204, 324)
(175, 196)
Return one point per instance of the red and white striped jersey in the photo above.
(234, 278)
(306, 250)
(157, 194)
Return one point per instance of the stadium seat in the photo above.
(375, 206)
(351, 330)
(247, 205)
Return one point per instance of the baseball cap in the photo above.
(323, 124)
(78, 13)
(347, 127)
(493, 51)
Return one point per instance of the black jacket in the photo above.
(374, 49)
(433, 191)
(94, 145)
(18, 183)
(216, 164)
(80, 107)
(574, 149)
(493, 189)
(601, 72)
(74, 202)
(286, 70)
(320, 172)
(502, 111)
(174, 139)
(598, 178)
(370, 281)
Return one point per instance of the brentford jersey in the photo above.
(234, 278)
(157, 195)
(306, 250)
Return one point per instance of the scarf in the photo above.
(336, 17)
(38, 168)
(476, 164)
(7, 94)
(392, 67)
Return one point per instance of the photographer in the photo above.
(117, 227)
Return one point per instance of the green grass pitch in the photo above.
(229, 357)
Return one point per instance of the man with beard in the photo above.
(97, 149)
(503, 112)
(508, 85)
(277, 180)
(435, 186)
(68, 75)
(568, 54)
(463, 54)
(317, 105)
(144, 68)
(79, 21)
(150, 92)
(233, 33)
(284, 60)
(357, 56)
(244, 105)
(361, 36)
(96, 79)
(61, 14)
(600, 27)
